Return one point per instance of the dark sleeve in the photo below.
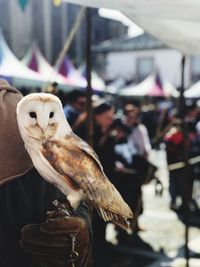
(107, 157)
(29, 198)
(24, 200)
(81, 130)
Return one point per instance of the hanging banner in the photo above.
(23, 4)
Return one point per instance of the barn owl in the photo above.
(65, 160)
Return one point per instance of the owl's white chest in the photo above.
(51, 175)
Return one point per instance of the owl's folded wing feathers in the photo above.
(75, 159)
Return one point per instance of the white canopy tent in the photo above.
(97, 83)
(150, 87)
(193, 91)
(176, 22)
(115, 86)
(42, 66)
(13, 69)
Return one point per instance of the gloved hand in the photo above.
(61, 241)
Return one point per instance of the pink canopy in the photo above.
(11, 68)
(36, 62)
(157, 88)
(68, 70)
(151, 86)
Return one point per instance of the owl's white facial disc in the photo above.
(39, 116)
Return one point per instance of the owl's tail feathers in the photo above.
(121, 221)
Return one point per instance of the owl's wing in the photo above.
(73, 157)
(84, 146)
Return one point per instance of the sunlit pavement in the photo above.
(162, 229)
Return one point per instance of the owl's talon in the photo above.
(68, 207)
(65, 207)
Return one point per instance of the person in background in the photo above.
(52, 88)
(75, 107)
(27, 237)
(174, 141)
(131, 170)
(139, 134)
(149, 117)
(180, 184)
(126, 176)
(191, 120)
(139, 139)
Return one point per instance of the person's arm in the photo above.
(50, 241)
(146, 145)
(59, 241)
(25, 202)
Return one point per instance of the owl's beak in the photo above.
(43, 126)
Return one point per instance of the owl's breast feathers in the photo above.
(54, 157)
(75, 160)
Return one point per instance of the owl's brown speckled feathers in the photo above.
(78, 163)
(67, 161)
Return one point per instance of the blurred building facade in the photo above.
(49, 25)
(140, 56)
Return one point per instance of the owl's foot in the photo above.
(64, 207)
(68, 206)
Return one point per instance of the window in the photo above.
(195, 69)
(144, 67)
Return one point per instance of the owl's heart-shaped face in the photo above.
(39, 116)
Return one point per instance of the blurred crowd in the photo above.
(124, 134)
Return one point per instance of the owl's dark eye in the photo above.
(33, 115)
(51, 114)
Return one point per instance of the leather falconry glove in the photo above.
(60, 241)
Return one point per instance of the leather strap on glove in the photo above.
(61, 241)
